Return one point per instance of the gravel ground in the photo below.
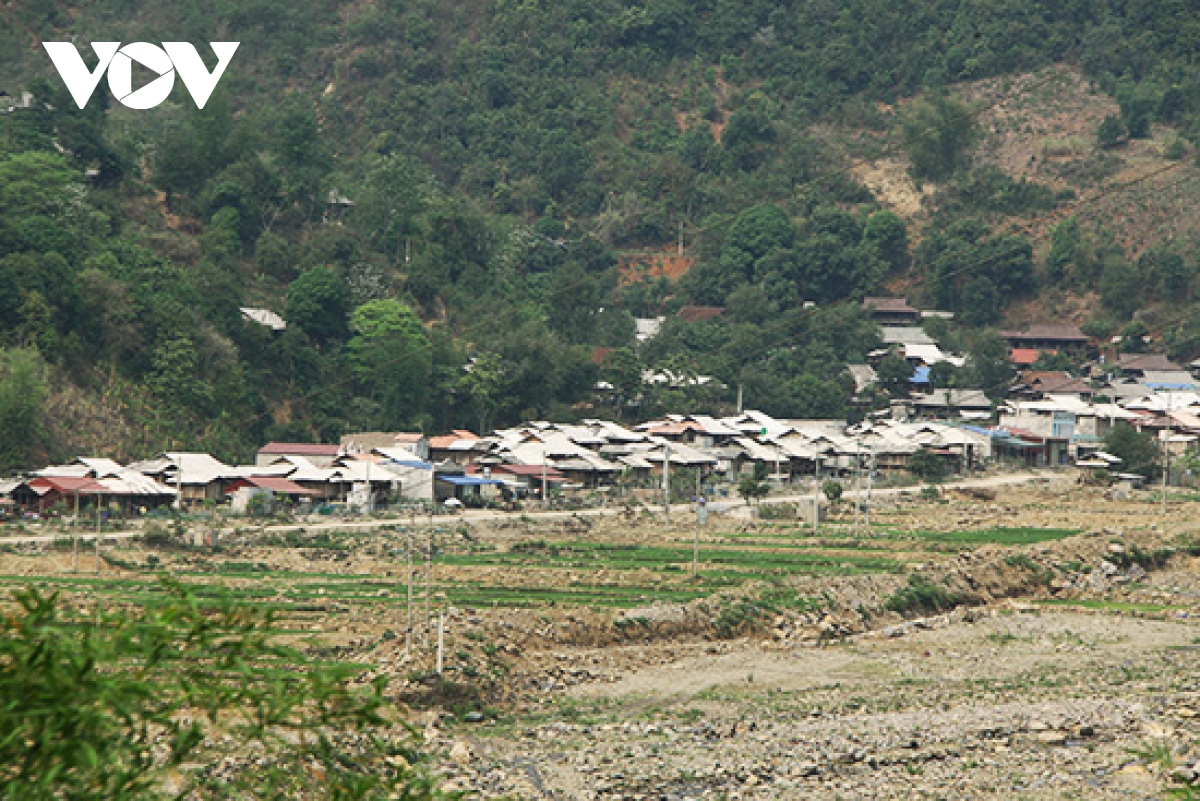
(1017, 703)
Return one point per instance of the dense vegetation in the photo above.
(501, 159)
(122, 705)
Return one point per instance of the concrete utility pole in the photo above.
(817, 495)
(857, 487)
(1166, 470)
(545, 494)
(870, 475)
(408, 548)
(666, 481)
(428, 586)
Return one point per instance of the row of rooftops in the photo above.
(589, 452)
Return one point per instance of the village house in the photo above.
(367, 441)
(459, 447)
(1052, 337)
(1035, 385)
(198, 477)
(891, 311)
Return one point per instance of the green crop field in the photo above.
(537, 572)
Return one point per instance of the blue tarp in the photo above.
(920, 375)
(469, 481)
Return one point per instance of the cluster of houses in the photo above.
(1050, 419)
(376, 469)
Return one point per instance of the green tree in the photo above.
(1110, 131)
(1138, 451)
(317, 303)
(894, 374)
(988, 365)
(22, 393)
(980, 302)
(483, 384)
(175, 378)
(391, 202)
(623, 369)
(752, 489)
(927, 466)
(756, 233)
(390, 352)
(1120, 286)
(886, 237)
(937, 132)
(110, 703)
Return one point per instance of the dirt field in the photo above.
(1001, 643)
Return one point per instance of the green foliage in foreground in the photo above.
(111, 704)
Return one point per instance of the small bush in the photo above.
(738, 617)
(778, 511)
(833, 490)
(921, 595)
(1023, 561)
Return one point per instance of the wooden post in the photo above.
(441, 640)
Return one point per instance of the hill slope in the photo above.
(499, 160)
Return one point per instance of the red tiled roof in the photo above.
(675, 428)
(68, 484)
(444, 441)
(273, 483)
(518, 470)
(301, 448)
(600, 354)
(1025, 355)
(694, 314)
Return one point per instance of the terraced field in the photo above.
(372, 569)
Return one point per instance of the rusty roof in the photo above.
(301, 448)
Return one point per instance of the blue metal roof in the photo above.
(469, 481)
(413, 463)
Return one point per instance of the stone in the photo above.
(1052, 737)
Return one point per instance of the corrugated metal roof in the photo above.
(273, 483)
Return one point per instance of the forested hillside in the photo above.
(420, 188)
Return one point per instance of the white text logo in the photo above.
(164, 61)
